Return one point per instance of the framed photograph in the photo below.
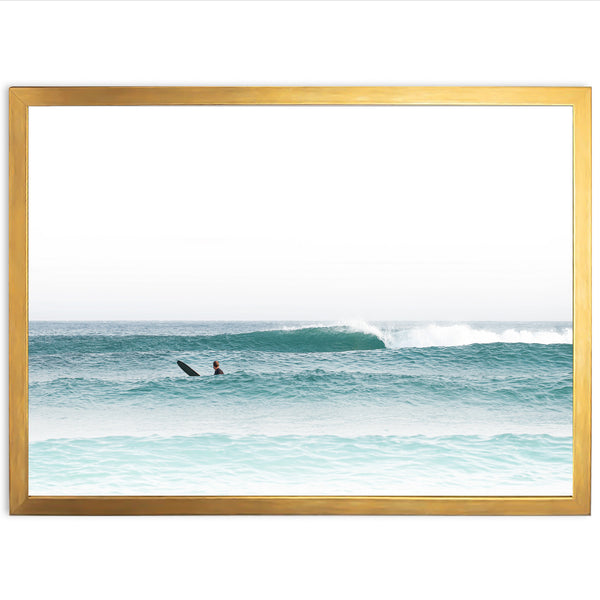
(328, 300)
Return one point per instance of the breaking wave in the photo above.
(341, 337)
(423, 336)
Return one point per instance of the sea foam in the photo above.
(422, 336)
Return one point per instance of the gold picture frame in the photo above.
(21, 98)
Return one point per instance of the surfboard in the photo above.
(187, 369)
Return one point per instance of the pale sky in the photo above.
(302, 213)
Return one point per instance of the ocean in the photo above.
(304, 408)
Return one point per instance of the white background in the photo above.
(520, 43)
(300, 213)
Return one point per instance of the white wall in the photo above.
(337, 43)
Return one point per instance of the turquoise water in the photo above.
(303, 408)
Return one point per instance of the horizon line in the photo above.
(300, 320)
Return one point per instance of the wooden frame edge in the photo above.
(302, 505)
(20, 98)
(582, 296)
(17, 290)
(269, 95)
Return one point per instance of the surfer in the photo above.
(216, 368)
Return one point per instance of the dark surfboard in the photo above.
(187, 369)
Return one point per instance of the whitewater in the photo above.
(349, 407)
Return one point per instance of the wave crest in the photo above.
(340, 337)
(423, 336)
(301, 340)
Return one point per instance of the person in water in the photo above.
(216, 368)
